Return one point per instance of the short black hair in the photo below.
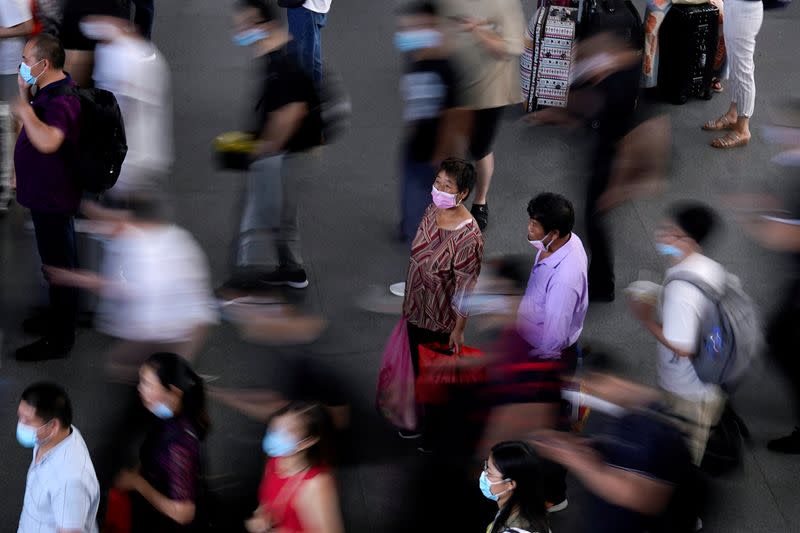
(697, 220)
(266, 10)
(460, 170)
(50, 402)
(49, 48)
(553, 212)
(418, 7)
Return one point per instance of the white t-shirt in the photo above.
(136, 72)
(12, 13)
(320, 6)
(682, 307)
(160, 286)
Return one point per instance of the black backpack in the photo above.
(102, 144)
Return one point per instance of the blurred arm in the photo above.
(281, 126)
(20, 30)
(781, 235)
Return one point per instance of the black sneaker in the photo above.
(43, 350)
(787, 444)
(295, 279)
(403, 434)
(481, 214)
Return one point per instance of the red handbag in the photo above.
(440, 369)
(118, 514)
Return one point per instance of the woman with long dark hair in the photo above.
(512, 476)
(298, 491)
(166, 486)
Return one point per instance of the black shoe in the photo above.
(403, 434)
(481, 214)
(43, 349)
(787, 444)
(295, 279)
(36, 324)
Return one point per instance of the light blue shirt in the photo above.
(62, 490)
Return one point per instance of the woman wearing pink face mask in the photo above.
(445, 262)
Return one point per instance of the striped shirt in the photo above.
(61, 492)
(442, 272)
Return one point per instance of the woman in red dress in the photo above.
(298, 491)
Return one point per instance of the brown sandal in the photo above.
(722, 123)
(731, 140)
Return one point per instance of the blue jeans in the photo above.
(415, 195)
(306, 27)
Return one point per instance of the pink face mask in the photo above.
(443, 200)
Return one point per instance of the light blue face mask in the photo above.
(251, 36)
(279, 444)
(26, 435)
(410, 40)
(668, 250)
(25, 73)
(162, 411)
(486, 486)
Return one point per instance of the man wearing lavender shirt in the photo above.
(44, 158)
(551, 314)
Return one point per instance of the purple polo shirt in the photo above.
(46, 182)
(550, 316)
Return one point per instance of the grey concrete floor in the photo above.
(348, 219)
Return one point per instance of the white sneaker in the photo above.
(556, 507)
(699, 525)
(398, 289)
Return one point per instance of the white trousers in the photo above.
(742, 22)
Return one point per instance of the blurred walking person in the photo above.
(286, 123)
(132, 68)
(297, 492)
(489, 41)
(166, 486)
(435, 126)
(16, 24)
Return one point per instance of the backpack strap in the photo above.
(707, 289)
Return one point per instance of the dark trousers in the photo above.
(601, 265)
(431, 417)
(144, 16)
(55, 239)
(783, 337)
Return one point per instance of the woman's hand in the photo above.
(456, 340)
(641, 309)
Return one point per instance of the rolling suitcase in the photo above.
(687, 44)
(547, 61)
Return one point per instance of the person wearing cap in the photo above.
(680, 238)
